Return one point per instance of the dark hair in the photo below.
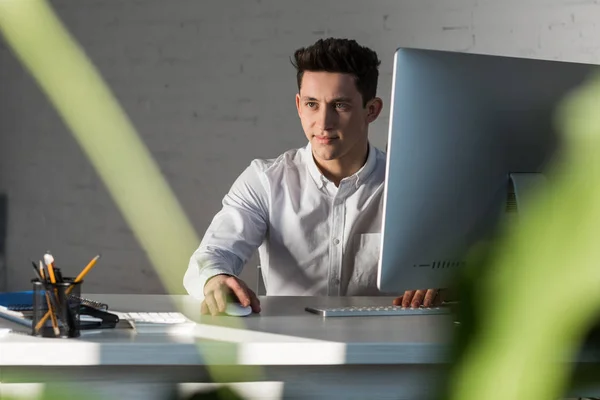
(343, 56)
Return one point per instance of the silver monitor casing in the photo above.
(460, 125)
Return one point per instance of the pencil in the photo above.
(49, 261)
(40, 276)
(58, 278)
(87, 268)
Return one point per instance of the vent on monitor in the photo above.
(441, 264)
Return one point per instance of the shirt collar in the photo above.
(360, 176)
(314, 171)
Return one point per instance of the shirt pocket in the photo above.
(366, 260)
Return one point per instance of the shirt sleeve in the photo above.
(234, 233)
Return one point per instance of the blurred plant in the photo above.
(525, 315)
(104, 132)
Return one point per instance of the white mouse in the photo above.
(237, 310)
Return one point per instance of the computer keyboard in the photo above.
(357, 311)
(154, 317)
(157, 322)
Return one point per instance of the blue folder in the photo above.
(23, 301)
(17, 300)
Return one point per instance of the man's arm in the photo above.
(234, 233)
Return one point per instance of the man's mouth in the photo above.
(325, 139)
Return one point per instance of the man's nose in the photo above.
(327, 119)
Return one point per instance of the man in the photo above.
(314, 213)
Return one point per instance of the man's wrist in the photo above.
(214, 276)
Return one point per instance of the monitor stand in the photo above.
(519, 188)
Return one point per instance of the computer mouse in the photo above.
(237, 310)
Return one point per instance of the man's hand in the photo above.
(416, 298)
(221, 288)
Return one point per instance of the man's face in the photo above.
(332, 114)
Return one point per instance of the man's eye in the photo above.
(341, 106)
(311, 104)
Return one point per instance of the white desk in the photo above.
(357, 357)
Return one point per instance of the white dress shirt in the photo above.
(313, 238)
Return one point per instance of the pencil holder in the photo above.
(56, 308)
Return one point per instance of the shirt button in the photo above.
(336, 241)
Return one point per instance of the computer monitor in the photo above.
(461, 125)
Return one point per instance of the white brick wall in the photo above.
(209, 86)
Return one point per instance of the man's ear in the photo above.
(298, 103)
(374, 107)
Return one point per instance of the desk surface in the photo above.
(282, 334)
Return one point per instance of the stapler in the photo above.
(107, 320)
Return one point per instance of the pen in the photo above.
(58, 275)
